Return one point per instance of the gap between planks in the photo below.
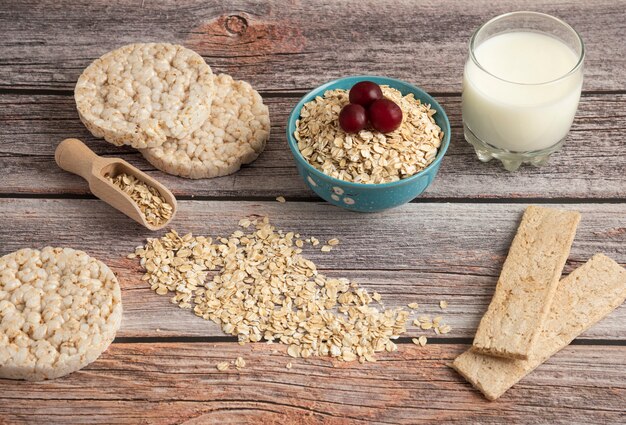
(269, 94)
(315, 199)
(401, 341)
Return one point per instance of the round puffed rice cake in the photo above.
(141, 94)
(59, 310)
(235, 134)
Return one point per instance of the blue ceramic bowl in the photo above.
(368, 197)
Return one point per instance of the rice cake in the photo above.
(141, 94)
(584, 297)
(527, 283)
(235, 134)
(59, 310)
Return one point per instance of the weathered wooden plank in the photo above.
(420, 253)
(168, 383)
(589, 166)
(295, 46)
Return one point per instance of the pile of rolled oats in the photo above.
(266, 289)
(151, 203)
(177, 264)
(367, 156)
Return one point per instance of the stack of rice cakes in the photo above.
(164, 100)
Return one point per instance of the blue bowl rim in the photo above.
(295, 114)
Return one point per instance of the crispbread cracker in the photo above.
(141, 94)
(527, 283)
(234, 134)
(584, 297)
(59, 310)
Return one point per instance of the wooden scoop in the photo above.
(74, 156)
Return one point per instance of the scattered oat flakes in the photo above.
(421, 341)
(350, 356)
(333, 242)
(426, 325)
(293, 351)
(314, 241)
(443, 304)
(151, 203)
(326, 248)
(240, 363)
(266, 290)
(413, 306)
(222, 366)
(369, 358)
(289, 365)
(178, 264)
(376, 296)
(444, 329)
(281, 199)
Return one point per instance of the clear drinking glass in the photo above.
(521, 87)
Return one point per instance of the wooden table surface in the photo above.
(448, 244)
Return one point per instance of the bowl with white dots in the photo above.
(360, 196)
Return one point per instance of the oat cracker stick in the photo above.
(584, 297)
(527, 283)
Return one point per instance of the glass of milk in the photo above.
(521, 87)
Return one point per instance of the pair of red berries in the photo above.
(367, 103)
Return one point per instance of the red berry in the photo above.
(364, 93)
(385, 115)
(352, 118)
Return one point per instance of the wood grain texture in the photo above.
(418, 253)
(169, 383)
(590, 165)
(294, 46)
(161, 369)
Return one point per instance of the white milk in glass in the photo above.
(521, 103)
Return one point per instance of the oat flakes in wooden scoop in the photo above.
(119, 184)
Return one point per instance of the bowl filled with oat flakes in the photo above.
(368, 143)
